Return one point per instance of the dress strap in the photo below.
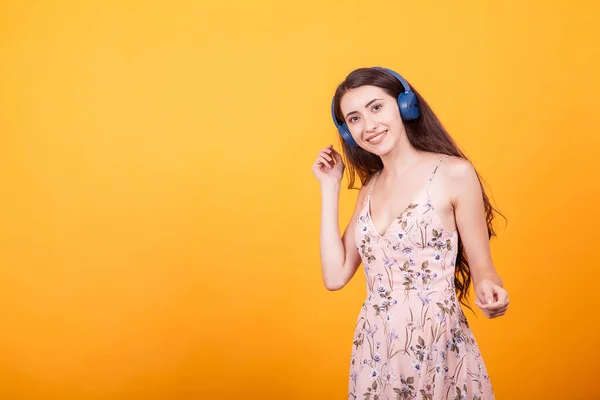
(434, 171)
(373, 183)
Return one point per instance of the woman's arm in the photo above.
(339, 256)
(469, 212)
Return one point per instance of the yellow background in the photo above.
(158, 217)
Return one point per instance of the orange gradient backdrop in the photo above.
(159, 221)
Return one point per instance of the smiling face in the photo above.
(373, 118)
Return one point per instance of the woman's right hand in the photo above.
(329, 167)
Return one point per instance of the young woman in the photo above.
(421, 229)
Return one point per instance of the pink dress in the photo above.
(412, 339)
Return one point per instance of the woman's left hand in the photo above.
(491, 298)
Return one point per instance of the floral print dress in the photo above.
(412, 339)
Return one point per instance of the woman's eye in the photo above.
(376, 107)
(352, 119)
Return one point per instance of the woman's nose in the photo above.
(370, 124)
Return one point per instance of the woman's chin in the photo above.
(383, 148)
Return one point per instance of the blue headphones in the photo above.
(407, 103)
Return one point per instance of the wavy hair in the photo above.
(426, 133)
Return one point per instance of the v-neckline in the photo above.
(413, 201)
(370, 215)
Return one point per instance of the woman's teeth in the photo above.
(377, 138)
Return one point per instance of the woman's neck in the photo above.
(401, 159)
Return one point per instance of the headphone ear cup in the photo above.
(409, 106)
(345, 134)
(342, 128)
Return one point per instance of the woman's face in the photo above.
(373, 118)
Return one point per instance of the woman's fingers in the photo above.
(493, 310)
(337, 156)
(324, 161)
(492, 299)
(502, 296)
(325, 155)
(498, 313)
(328, 158)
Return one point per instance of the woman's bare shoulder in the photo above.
(456, 167)
(457, 174)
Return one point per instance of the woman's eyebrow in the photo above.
(366, 105)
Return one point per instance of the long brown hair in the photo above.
(426, 133)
